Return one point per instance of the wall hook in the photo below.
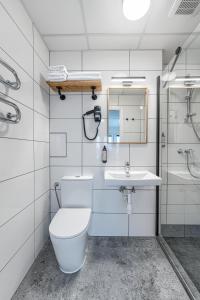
(62, 96)
(94, 96)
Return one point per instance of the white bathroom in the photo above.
(100, 149)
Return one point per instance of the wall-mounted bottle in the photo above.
(104, 155)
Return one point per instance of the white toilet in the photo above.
(68, 229)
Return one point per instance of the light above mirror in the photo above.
(187, 78)
(127, 80)
(135, 9)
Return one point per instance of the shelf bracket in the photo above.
(62, 96)
(94, 96)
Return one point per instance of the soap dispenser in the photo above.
(104, 155)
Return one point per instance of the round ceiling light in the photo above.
(135, 9)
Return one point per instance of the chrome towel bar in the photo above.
(11, 118)
(13, 85)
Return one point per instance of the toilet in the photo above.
(68, 229)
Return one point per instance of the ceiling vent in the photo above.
(185, 8)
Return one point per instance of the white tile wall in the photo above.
(15, 270)
(11, 202)
(24, 172)
(15, 228)
(71, 59)
(84, 157)
(10, 35)
(142, 225)
(109, 225)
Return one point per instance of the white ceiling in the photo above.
(100, 24)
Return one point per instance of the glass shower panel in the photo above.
(180, 163)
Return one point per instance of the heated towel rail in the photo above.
(13, 118)
(13, 85)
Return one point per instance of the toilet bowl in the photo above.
(68, 233)
(68, 229)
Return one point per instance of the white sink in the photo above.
(136, 178)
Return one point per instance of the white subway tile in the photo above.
(41, 235)
(181, 133)
(10, 35)
(41, 182)
(109, 225)
(152, 106)
(105, 60)
(144, 202)
(175, 219)
(16, 269)
(41, 100)
(17, 11)
(72, 128)
(16, 194)
(40, 47)
(71, 59)
(42, 208)
(109, 201)
(73, 157)
(152, 125)
(41, 150)
(41, 128)
(142, 224)
(16, 158)
(58, 144)
(146, 60)
(143, 155)
(13, 234)
(71, 107)
(40, 72)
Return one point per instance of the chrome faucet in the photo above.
(127, 169)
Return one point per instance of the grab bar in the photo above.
(13, 85)
(11, 118)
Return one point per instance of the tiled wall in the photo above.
(84, 157)
(24, 154)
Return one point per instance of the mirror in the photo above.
(127, 115)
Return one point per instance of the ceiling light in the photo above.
(135, 9)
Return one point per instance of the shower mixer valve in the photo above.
(186, 151)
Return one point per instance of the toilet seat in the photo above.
(70, 222)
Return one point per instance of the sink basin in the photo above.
(136, 178)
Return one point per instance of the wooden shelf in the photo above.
(75, 85)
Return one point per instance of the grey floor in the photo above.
(115, 269)
(187, 250)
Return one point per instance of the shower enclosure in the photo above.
(179, 145)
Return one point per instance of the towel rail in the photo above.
(13, 85)
(11, 118)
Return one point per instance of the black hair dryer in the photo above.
(97, 118)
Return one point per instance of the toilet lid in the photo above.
(69, 222)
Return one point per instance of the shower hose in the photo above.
(56, 184)
(189, 167)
